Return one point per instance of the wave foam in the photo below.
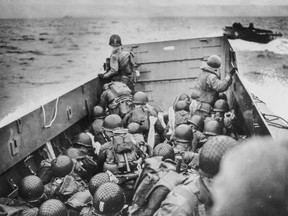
(279, 46)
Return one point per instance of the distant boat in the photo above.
(237, 31)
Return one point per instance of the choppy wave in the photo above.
(272, 94)
(278, 46)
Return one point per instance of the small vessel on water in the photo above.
(237, 31)
(167, 68)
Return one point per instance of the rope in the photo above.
(271, 123)
(54, 117)
(257, 99)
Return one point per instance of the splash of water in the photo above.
(273, 94)
(279, 46)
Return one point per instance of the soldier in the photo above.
(182, 139)
(85, 166)
(225, 117)
(209, 85)
(182, 114)
(212, 127)
(108, 200)
(121, 65)
(65, 182)
(122, 155)
(253, 179)
(199, 138)
(147, 117)
(52, 207)
(117, 98)
(193, 197)
(95, 128)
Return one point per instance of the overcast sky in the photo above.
(59, 8)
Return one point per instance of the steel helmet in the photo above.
(212, 152)
(222, 95)
(62, 166)
(112, 122)
(165, 150)
(134, 128)
(184, 97)
(213, 128)
(214, 61)
(140, 98)
(52, 207)
(115, 40)
(181, 105)
(82, 139)
(31, 188)
(183, 133)
(97, 112)
(108, 199)
(221, 106)
(98, 180)
(255, 175)
(197, 121)
(74, 153)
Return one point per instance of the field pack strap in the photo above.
(168, 180)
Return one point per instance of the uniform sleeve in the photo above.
(217, 84)
(114, 66)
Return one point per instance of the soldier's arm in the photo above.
(217, 84)
(114, 67)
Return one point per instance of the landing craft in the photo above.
(167, 68)
(237, 31)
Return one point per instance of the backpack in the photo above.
(140, 115)
(122, 148)
(120, 98)
(116, 90)
(156, 180)
(186, 200)
(181, 117)
(126, 63)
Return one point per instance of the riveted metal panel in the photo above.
(16, 144)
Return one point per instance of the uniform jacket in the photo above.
(119, 63)
(189, 199)
(209, 85)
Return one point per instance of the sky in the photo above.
(60, 8)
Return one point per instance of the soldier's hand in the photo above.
(233, 71)
(101, 75)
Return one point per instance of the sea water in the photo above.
(40, 59)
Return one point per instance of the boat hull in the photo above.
(167, 68)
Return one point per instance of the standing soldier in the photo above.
(209, 85)
(121, 65)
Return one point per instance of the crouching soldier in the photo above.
(199, 138)
(135, 130)
(96, 126)
(65, 181)
(147, 117)
(122, 155)
(52, 207)
(117, 98)
(108, 200)
(85, 166)
(31, 196)
(193, 197)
